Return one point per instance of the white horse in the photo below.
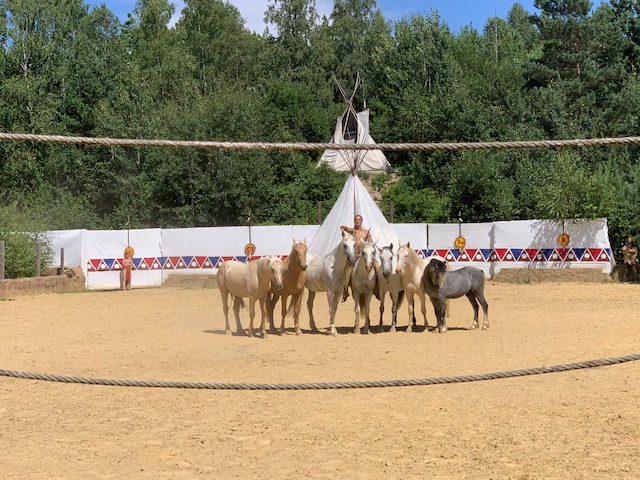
(330, 274)
(411, 267)
(363, 282)
(253, 280)
(391, 283)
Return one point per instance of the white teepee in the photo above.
(353, 127)
(354, 199)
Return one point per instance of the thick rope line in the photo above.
(323, 386)
(396, 147)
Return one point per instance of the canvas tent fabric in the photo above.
(353, 200)
(353, 128)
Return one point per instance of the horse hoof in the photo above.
(356, 331)
(299, 333)
(334, 332)
(392, 329)
(264, 335)
(227, 332)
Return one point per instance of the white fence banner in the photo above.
(198, 251)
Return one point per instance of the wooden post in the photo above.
(319, 207)
(391, 211)
(1, 259)
(61, 262)
(38, 257)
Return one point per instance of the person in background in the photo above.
(630, 256)
(127, 267)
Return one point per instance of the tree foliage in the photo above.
(567, 70)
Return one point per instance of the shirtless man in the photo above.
(361, 236)
(357, 231)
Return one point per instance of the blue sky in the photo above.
(455, 13)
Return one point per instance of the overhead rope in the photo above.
(323, 386)
(395, 147)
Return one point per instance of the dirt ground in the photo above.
(576, 424)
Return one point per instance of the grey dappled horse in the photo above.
(440, 284)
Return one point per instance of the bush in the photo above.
(20, 238)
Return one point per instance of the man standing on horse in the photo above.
(630, 255)
(361, 235)
(357, 231)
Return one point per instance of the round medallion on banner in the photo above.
(129, 251)
(460, 243)
(249, 249)
(564, 239)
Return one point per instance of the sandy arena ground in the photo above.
(575, 425)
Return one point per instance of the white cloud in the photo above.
(252, 11)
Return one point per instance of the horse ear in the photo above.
(304, 240)
(408, 244)
(391, 246)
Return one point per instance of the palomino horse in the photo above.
(292, 286)
(251, 280)
(391, 283)
(410, 267)
(440, 285)
(330, 274)
(363, 282)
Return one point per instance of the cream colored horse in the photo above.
(252, 280)
(411, 267)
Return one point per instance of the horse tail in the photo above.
(240, 300)
(291, 306)
(400, 298)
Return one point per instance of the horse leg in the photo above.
(283, 301)
(297, 304)
(476, 309)
(381, 325)
(312, 322)
(252, 314)
(411, 316)
(423, 309)
(485, 309)
(271, 306)
(332, 298)
(263, 313)
(237, 303)
(394, 311)
(225, 309)
(367, 308)
(442, 323)
(356, 298)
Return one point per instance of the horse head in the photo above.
(386, 260)
(276, 269)
(299, 252)
(349, 248)
(368, 254)
(435, 271)
(403, 256)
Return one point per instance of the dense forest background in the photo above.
(568, 70)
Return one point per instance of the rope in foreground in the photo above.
(324, 386)
(126, 142)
